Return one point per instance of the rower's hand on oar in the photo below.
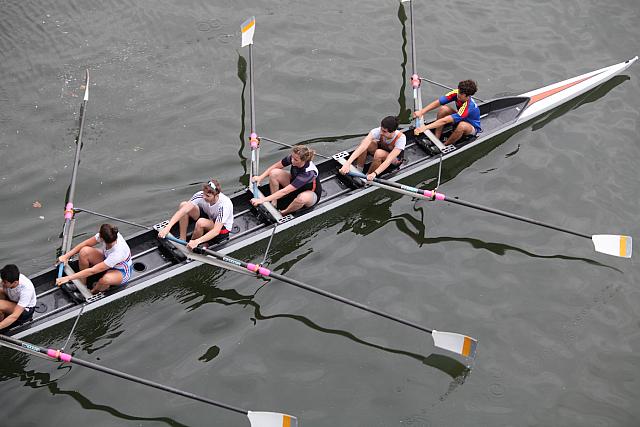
(63, 259)
(257, 179)
(371, 176)
(256, 202)
(416, 114)
(163, 232)
(62, 280)
(344, 169)
(193, 244)
(419, 130)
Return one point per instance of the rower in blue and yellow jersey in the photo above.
(385, 143)
(210, 209)
(465, 118)
(293, 190)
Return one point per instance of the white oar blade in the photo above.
(271, 419)
(613, 244)
(248, 27)
(457, 343)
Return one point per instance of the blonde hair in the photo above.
(305, 153)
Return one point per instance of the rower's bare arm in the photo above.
(263, 175)
(98, 268)
(433, 125)
(431, 106)
(91, 241)
(8, 321)
(364, 145)
(280, 193)
(182, 211)
(390, 158)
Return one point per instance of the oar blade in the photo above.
(613, 244)
(248, 28)
(271, 419)
(456, 343)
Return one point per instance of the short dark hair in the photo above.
(390, 123)
(108, 233)
(10, 273)
(468, 87)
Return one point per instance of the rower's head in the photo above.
(388, 126)
(466, 89)
(301, 154)
(10, 275)
(210, 190)
(108, 233)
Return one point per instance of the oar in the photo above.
(248, 28)
(257, 419)
(415, 79)
(284, 144)
(67, 231)
(456, 343)
(610, 244)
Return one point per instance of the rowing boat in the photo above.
(155, 260)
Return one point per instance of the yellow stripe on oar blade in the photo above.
(613, 244)
(271, 419)
(457, 343)
(247, 28)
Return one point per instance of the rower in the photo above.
(112, 258)
(17, 297)
(466, 119)
(294, 190)
(386, 143)
(210, 209)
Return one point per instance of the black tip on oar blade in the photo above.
(613, 244)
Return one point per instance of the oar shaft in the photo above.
(430, 195)
(265, 272)
(252, 91)
(76, 160)
(68, 211)
(415, 79)
(113, 218)
(514, 216)
(64, 357)
(284, 144)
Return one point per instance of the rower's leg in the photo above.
(203, 225)
(443, 111)
(88, 257)
(110, 278)
(463, 128)
(379, 156)
(278, 178)
(362, 158)
(303, 200)
(194, 214)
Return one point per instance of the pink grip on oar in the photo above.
(68, 211)
(429, 193)
(57, 354)
(253, 139)
(256, 268)
(415, 81)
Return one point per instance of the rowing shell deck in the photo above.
(155, 261)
